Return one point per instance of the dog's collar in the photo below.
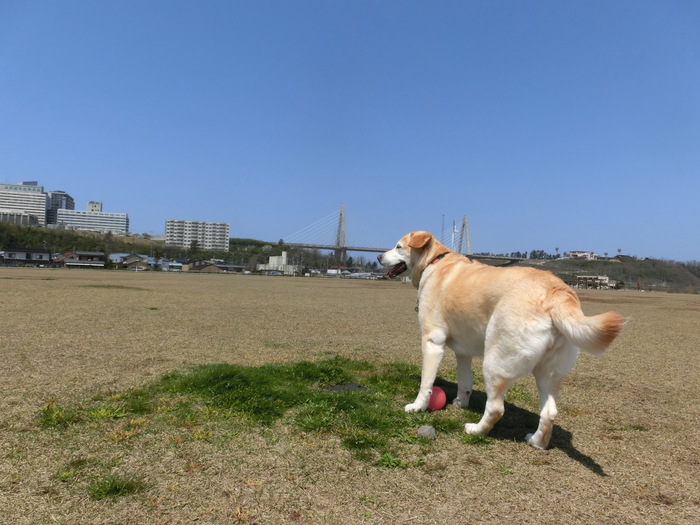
(437, 258)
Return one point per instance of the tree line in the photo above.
(251, 252)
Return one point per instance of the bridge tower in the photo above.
(340, 241)
(464, 233)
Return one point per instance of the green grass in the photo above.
(479, 441)
(72, 470)
(95, 476)
(618, 425)
(53, 415)
(110, 486)
(358, 402)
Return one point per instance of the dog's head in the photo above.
(412, 254)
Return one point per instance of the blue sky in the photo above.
(549, 124)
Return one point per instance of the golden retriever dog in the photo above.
(520, 320)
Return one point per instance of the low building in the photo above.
(136, 262)
(580, 254)
(586, 282)
(214, 267)
(84, 260)
(117, 258)
(18, 218)
(170, 265)
(27, 257)
(279, 264)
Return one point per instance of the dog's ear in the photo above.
(419, 240)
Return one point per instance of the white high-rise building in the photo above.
(26, 199)
(93, 221)
(212, 236)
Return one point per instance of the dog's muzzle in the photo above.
(395, 270)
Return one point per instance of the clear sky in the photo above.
(549, 124)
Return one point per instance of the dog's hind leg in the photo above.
(465, 380)
(548, 388)
(549, 375)
(433, 348)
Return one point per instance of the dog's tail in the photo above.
(592, 334)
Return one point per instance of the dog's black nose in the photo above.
(379, 257)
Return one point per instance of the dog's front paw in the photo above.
(530, 441)
(414, 407)
(472, 428)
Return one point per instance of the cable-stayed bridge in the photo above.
(330, 233)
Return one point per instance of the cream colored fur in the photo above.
(520, 320)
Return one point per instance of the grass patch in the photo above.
(618, 425)
(111, 486)
(479, 441)
(53, 415)
(388, 460)
(359, 402)
(72, 470)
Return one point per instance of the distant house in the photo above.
(84, 260)
(118, 258)
(170, 265)
(136, 261)
(27, 257)
(622, 258)
(580, 254)
(591, 281)
(210, 267)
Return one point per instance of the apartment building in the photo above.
(212, 236)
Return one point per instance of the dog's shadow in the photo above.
(517, 422)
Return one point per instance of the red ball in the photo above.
(437, 399)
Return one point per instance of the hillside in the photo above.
(652, 274)
(241, 251)
(57, 240)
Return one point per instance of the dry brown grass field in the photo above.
(625, 448)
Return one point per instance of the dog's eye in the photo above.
(398, 246)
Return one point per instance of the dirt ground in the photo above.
(625, 448)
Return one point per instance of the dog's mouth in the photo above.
(396, 270)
